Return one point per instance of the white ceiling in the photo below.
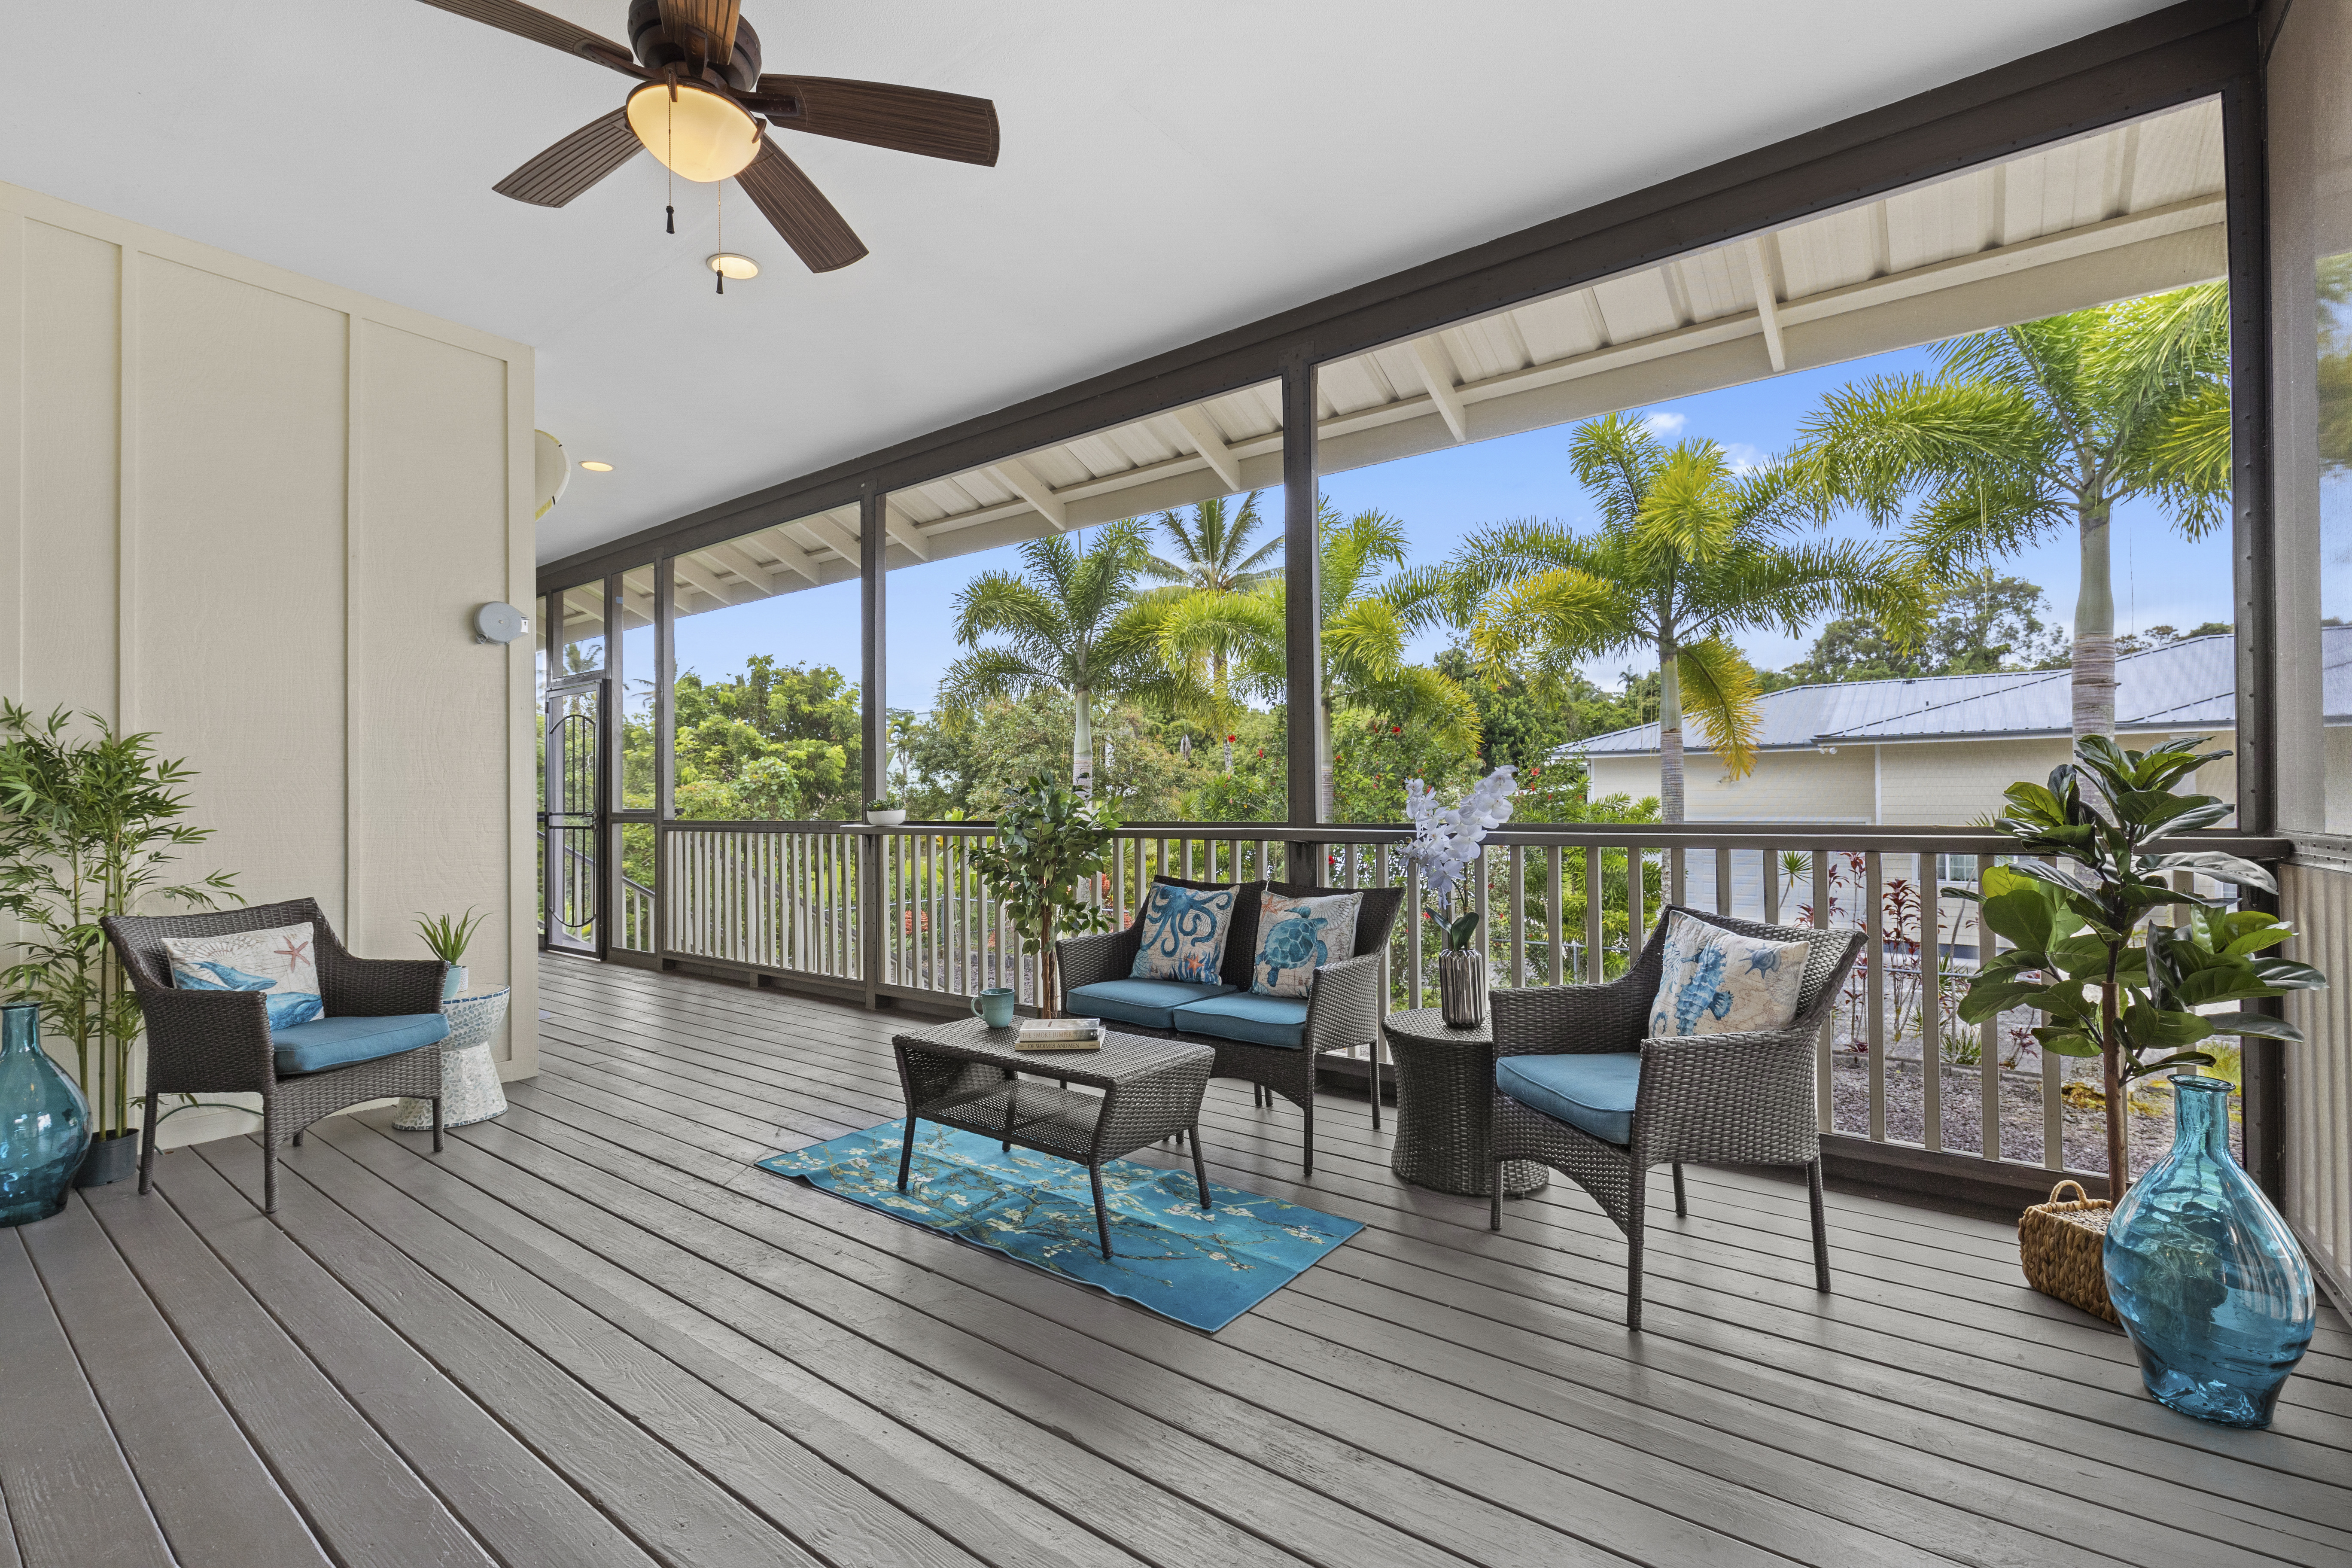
(1167, 171)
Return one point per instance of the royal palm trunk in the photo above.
(2094, 627)
(1670, 735)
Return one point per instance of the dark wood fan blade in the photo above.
(714, 19)
(904, 119)
(807, 221)
(530, 22)
(574, 164)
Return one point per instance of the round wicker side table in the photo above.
(469, 1079)
(1446, 1102)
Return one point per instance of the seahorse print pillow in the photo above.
(281, 963)
(1716, 982)
(1298, 936)
(1185, 931)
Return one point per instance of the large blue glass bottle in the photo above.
(2205, 1276)
(44, 1121)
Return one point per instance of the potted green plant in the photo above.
(886, 811)
(447, 936)
(1049, 840)
(2198, 1267)
(1446, 842)
(89, 827)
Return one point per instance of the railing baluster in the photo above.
(1555, 918)
(1518, 916)
(1873, 950)
(1412, 936)
(1596, 871)
(1820, 857)
(1637, 880)
(1931, 1002)
(1769, 863)
(1677, 876)
(1722, 880)
(1484, 869)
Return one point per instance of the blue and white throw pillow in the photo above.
(1298, 936)
(1185, 931)
(1716, 982)
(281, 963)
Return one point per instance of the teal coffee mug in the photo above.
(994, 1006)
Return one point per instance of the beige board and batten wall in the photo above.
(254, 513)
(1947, 782)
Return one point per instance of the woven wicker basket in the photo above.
(2060, 1243)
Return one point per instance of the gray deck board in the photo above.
(217, 1503)
(73, 1498)
(592, 1332)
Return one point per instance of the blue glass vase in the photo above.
(44, 1121)
(2207, 1278)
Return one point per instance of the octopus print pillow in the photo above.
(1185, 931)
(280, 963)
(1298, 936)
(1716, 982)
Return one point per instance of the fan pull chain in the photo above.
(718, 189)
(669, 136)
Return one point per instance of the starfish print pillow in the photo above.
(281, 963)
(1716, 982)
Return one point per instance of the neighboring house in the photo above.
(1939, 749)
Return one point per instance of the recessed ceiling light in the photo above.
(730, 264)
(598, 467)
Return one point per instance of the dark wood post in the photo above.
(1302, 610)
(874, 727)
(665, 746)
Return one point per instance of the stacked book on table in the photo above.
(1060, 1035)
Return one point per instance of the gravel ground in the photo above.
(2085, 1125)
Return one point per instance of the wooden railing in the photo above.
(1558, 904)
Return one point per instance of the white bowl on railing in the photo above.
(886, 818)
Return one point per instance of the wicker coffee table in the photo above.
(968, 1075)
(1445, 1104)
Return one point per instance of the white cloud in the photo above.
(1666, 427)
(1745, 458)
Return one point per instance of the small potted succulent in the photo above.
(446, 936)
(886, 811)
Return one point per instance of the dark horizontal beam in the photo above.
(2168, 57)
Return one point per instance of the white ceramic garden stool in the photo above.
(469, 1079)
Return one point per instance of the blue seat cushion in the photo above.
(1591, 1093)
(1145, 1002)
(1245, 1015)
(324, 1043)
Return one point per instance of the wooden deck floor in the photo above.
(591, 1333)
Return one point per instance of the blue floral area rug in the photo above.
(1201, 1269)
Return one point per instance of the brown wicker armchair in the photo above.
(1746, 1099)
(219, 1042)
(1342, 1008)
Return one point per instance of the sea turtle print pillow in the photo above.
(282, 963)
(1298, 936)
(1185, 931)
(1716, 982)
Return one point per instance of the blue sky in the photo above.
(2159, 578)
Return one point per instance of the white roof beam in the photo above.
(1438, 378)
(789, 550)
(739, 560)
(832, 536)
(902, 531)
(1768, 304)
(694, 575)
(1203, 432)
(1022, 480)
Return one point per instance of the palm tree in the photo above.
(1687, 553)
(1366, 621)
(2030, 429)
(1069, 623)
(1210, 557)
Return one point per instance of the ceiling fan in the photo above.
(704, 110)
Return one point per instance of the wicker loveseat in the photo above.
(1273, 1042)
(380, 1036)
(1579, 1088)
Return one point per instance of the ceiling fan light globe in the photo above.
(702, 137)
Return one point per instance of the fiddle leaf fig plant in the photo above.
(1050, 841)
(2109, 982)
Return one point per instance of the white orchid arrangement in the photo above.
(1447, 840)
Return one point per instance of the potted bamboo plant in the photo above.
(89, 827)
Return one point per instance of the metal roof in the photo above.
(2182, 685)
(2127, 211)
